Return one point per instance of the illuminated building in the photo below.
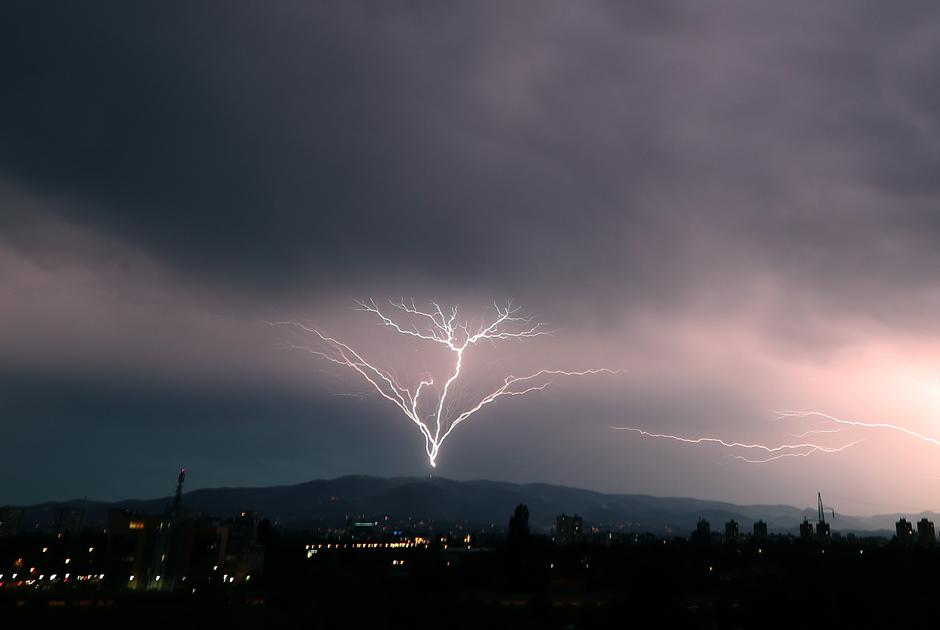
(363, 529)
(131, 541)
(569, 530)
(199, 554)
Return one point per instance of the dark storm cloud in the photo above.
(696, 190)
(489, 144)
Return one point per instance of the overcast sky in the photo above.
(734, 202)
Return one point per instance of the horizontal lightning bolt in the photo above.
(802, 449)
(856, 423)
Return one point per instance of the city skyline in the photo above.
(733, 206)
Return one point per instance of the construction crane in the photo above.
(822, 528)
(822, 508)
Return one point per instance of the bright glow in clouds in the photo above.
(437, 420)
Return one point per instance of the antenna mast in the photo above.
(178, 498)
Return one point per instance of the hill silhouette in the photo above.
(478, 502)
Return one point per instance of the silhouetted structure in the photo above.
(806, 529)
(760, 530)
(68, 521)
(926, 535)
(703, 532)
(569, 530)
(905, 531)
(131, 539)
(244, 553)
(178, 497)
(731, 531)
(822, 527)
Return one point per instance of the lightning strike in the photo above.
(782, 415)
(773, 453)
(441, 327)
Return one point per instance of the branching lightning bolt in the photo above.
(442, 327)
(801, 449)
(856, 423)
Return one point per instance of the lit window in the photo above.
(136, 525)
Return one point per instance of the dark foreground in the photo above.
(783, 583)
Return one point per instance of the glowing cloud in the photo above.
(436, 422)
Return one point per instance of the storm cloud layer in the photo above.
(736, 202)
